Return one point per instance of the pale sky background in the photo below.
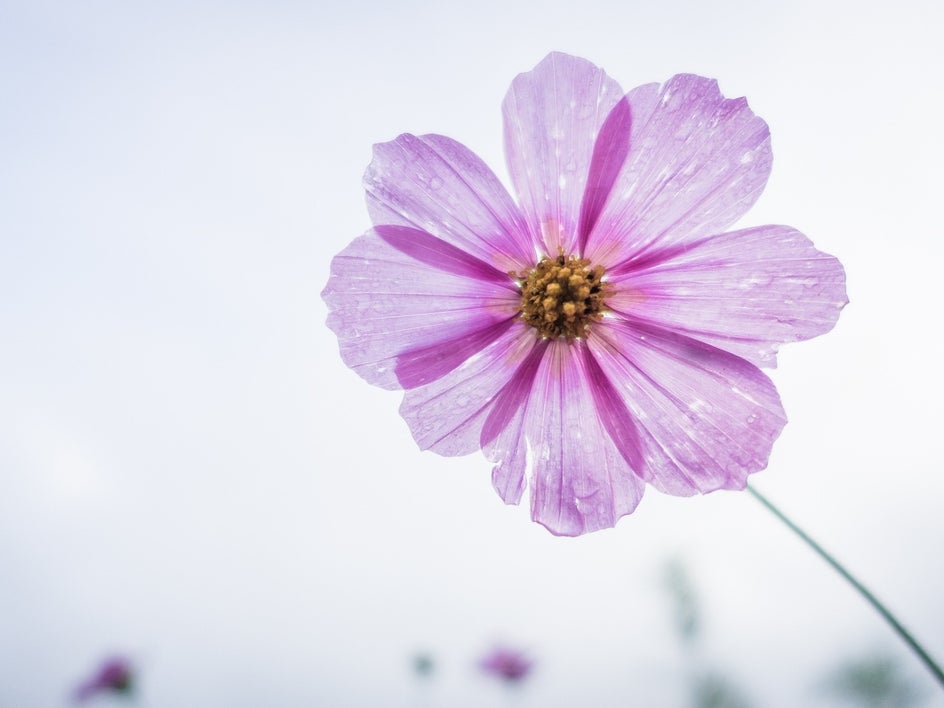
(189, 474)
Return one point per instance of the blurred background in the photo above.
(190, 477)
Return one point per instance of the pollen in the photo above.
(561, 297)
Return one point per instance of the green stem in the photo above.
(879, 607)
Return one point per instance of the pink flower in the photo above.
(115, 675)
(509, 665)
(604, 331)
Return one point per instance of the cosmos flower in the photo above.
(508, 665)
(604, 331)
(115, 675)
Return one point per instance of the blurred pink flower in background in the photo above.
(508, 665)
(114, 675)
(604, 331)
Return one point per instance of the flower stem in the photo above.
(932, 666)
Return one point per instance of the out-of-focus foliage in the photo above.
(873, 682)
(423, 665)
(684, 601)
(709, 688)
(715, 691)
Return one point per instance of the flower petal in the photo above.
(447, 415)
(425, 364)
(609, 156)
(697, 162)
(706, 418)
(439, 186)
(503, 439)
(552, 115)
(745, 291)
(398, 295)
(580, 481)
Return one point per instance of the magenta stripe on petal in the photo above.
(443, 256)
(613, 412)
(422, 365)
(384, 302)
(609, 154)
(509, 453)
(696, 164)
(435, 184)
(503, 440)
(447, 415)
(514, 395)
(580, 482)
(707, 419)
(552, 115)
(745, 291)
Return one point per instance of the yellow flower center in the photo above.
(561, 296)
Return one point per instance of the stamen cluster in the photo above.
(561, 296)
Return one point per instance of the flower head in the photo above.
(508, 665)
(604, 331)
(115, 675)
